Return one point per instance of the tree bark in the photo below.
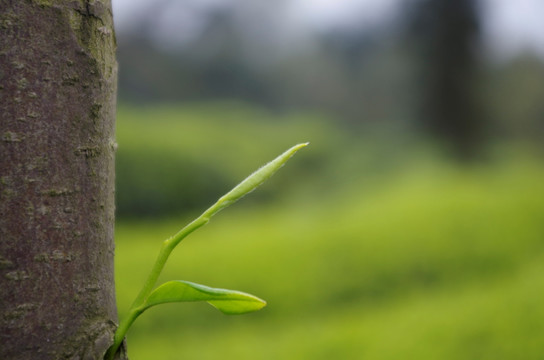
(57, 106)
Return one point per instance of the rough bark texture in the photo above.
(57, 107)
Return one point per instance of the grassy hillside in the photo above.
(402, 256)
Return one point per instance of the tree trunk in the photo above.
(57, 107)
(448, 32)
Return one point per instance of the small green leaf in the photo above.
(258, 177)
(227, 301)
(245, 187)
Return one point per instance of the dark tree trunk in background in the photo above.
(447, 33)
(57, 106)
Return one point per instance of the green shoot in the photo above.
(227, 301)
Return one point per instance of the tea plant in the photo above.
(227, 301)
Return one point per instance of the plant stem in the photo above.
(240, 190)
(166, 249)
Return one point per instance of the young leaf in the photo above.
(245, 187)
(227, 301)
(258, 177)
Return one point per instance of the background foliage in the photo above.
(410, 228)
(362, 246)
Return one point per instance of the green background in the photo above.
(365, 245)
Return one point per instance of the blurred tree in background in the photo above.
(432, 72)
(423, 75)
(447, 35)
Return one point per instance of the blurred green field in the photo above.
(363, 249)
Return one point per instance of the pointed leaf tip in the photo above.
(227, 301)
(261, 175)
